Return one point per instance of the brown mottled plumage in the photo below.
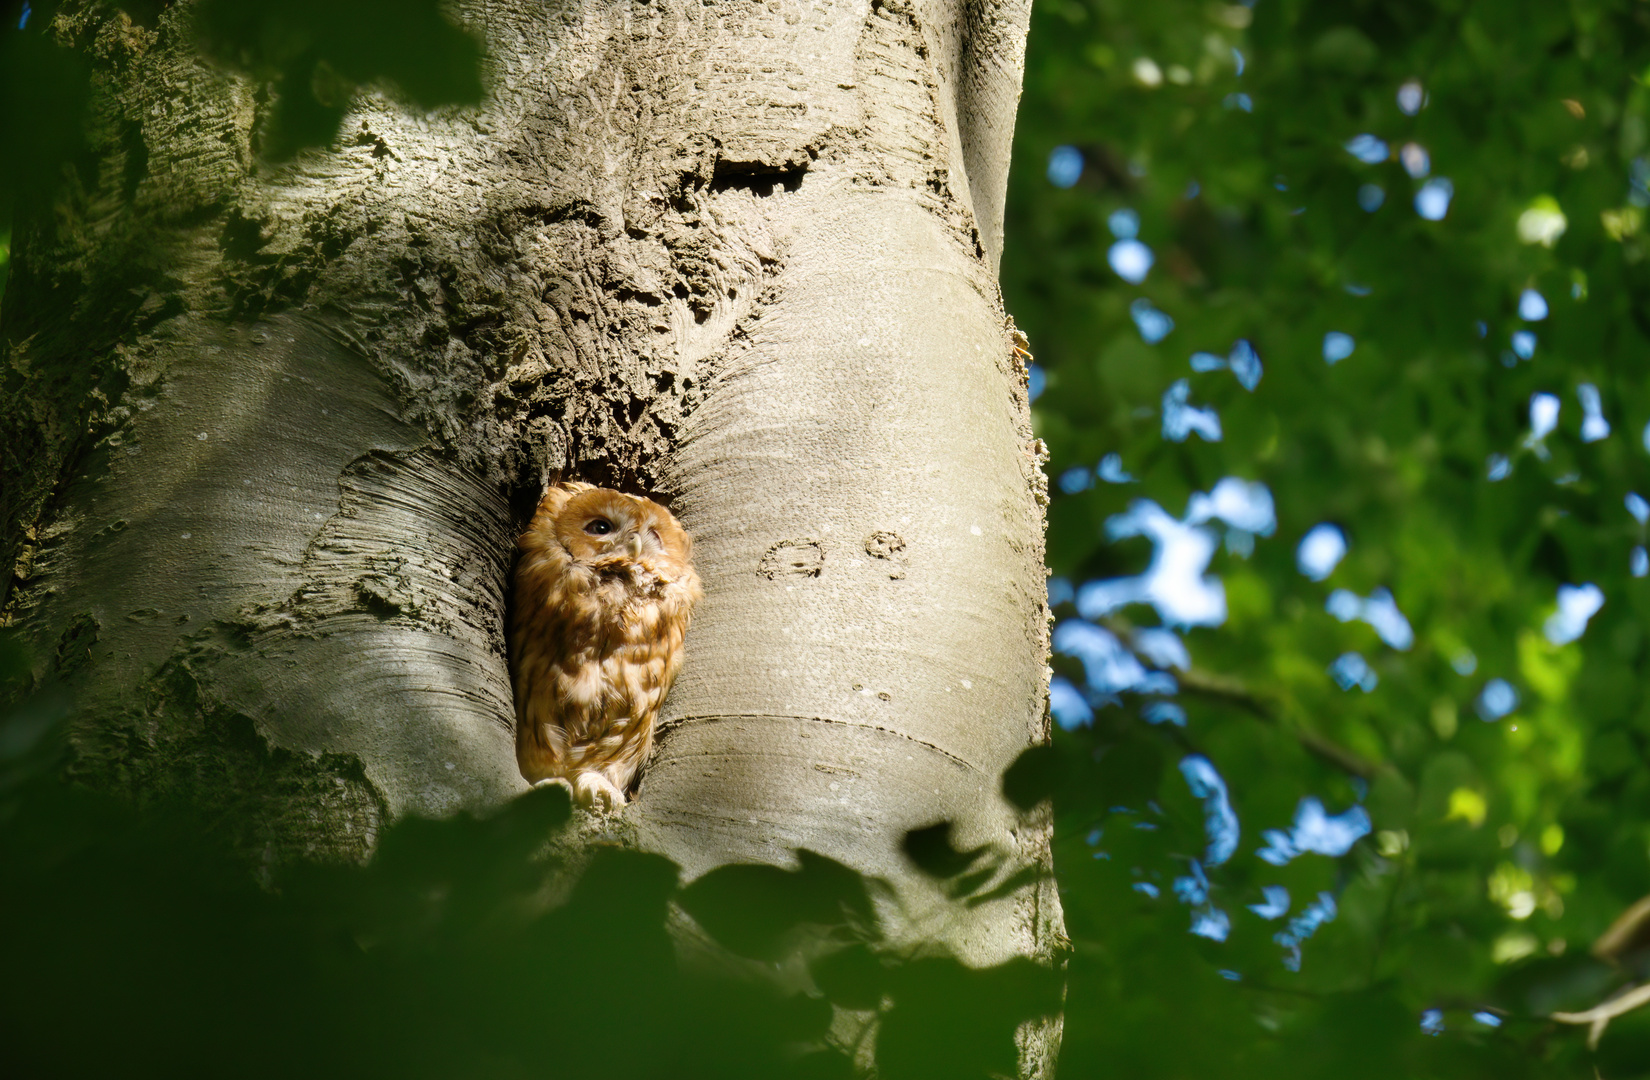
(604, 590)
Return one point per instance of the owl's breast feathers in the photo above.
(605, 604)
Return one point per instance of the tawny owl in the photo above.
(604, 589)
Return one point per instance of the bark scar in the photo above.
(667, 726)
(793, 558)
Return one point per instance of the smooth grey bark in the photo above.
(741, 256)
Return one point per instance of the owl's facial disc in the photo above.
(610, 531)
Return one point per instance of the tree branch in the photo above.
(1225, 688)
(1599, 1016)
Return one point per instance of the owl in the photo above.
(604, 589)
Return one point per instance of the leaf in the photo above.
(757, 910)
(852, 977)
(44, 90)
(930, 848)
(954, 1021)
(1034, 776)
(317, 53)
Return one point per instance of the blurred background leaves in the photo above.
(1339, 318)
(315, 55)
(308, 59)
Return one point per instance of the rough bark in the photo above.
(269, 431)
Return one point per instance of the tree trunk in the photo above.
(269, 431)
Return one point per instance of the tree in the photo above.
(272, 415)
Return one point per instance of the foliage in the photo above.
(310, 58)
(1411, 221)
(315, 54)
(135, 944)
(44, 89)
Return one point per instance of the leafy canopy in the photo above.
(1340, 318)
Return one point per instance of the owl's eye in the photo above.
(598, 526)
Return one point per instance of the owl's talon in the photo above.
(596, 792)
(558, 781)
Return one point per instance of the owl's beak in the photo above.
(634, 547)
